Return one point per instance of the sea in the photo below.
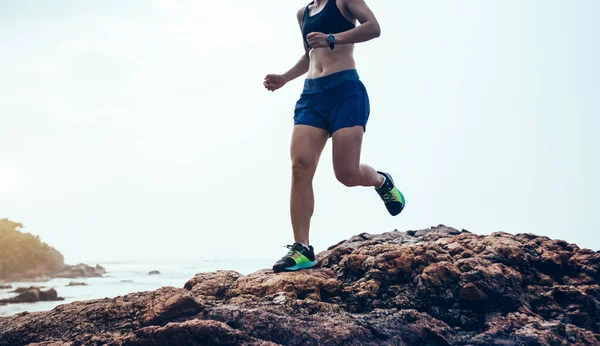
(126, 277)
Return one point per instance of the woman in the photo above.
(334, 103)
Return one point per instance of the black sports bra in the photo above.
(329, 21)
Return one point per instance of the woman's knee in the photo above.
(303, 168)
(348, 177)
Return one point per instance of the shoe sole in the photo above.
(305, 265)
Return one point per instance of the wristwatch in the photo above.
(331, 40)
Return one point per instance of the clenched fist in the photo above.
(317, 40)
(274, 81)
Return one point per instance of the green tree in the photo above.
(22, 252)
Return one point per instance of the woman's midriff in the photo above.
(324, 61)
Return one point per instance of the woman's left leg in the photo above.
(347, 143)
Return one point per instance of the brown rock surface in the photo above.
(437, 286)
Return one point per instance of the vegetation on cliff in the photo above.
(23, 252)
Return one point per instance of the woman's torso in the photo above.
(329, 17)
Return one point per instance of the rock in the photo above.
(316, 283)
(471, 293)
(202, 332)
(48, 295)
(73, 283)
(5, 287)
(25, 289)
(33, 295)
(279, 299)
(80, 271)
(26, 297)
(436, 286)
(213, 284)
(154, 272)
(169, 303)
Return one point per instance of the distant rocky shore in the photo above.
(25, 257)
(67, 271)
(437, 286)
(36, 294)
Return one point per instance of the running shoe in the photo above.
(299, 257)
(391, 196)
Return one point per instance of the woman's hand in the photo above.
(274, 81)
(317, 40)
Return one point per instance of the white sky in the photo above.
(141, 129)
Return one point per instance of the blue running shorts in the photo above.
(333, 102)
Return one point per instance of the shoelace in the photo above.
(293, 249)
(387, 196)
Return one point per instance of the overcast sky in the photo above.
(141, 129)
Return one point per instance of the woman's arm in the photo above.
(368, 28)
(297, 70)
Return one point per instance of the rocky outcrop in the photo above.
(80, 271)
(23, 254)
(154, 272)
(438, 286)
(73, 283)
(24, 257)
(33, 295)
(5, 287)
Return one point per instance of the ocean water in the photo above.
(126, 277)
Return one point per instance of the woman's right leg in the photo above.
(305, 150)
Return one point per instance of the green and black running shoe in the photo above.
(299, 257)
(391, 196)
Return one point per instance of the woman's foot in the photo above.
(391, 196)
(299, 257)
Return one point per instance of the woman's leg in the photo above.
(348, 170)
(306, 148)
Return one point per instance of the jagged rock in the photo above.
(73, 283)
(154, 272)
(213, 284)
(303, 284)
(436, 286)
(202, 332)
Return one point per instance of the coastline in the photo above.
(124, 277)
(431, 286)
